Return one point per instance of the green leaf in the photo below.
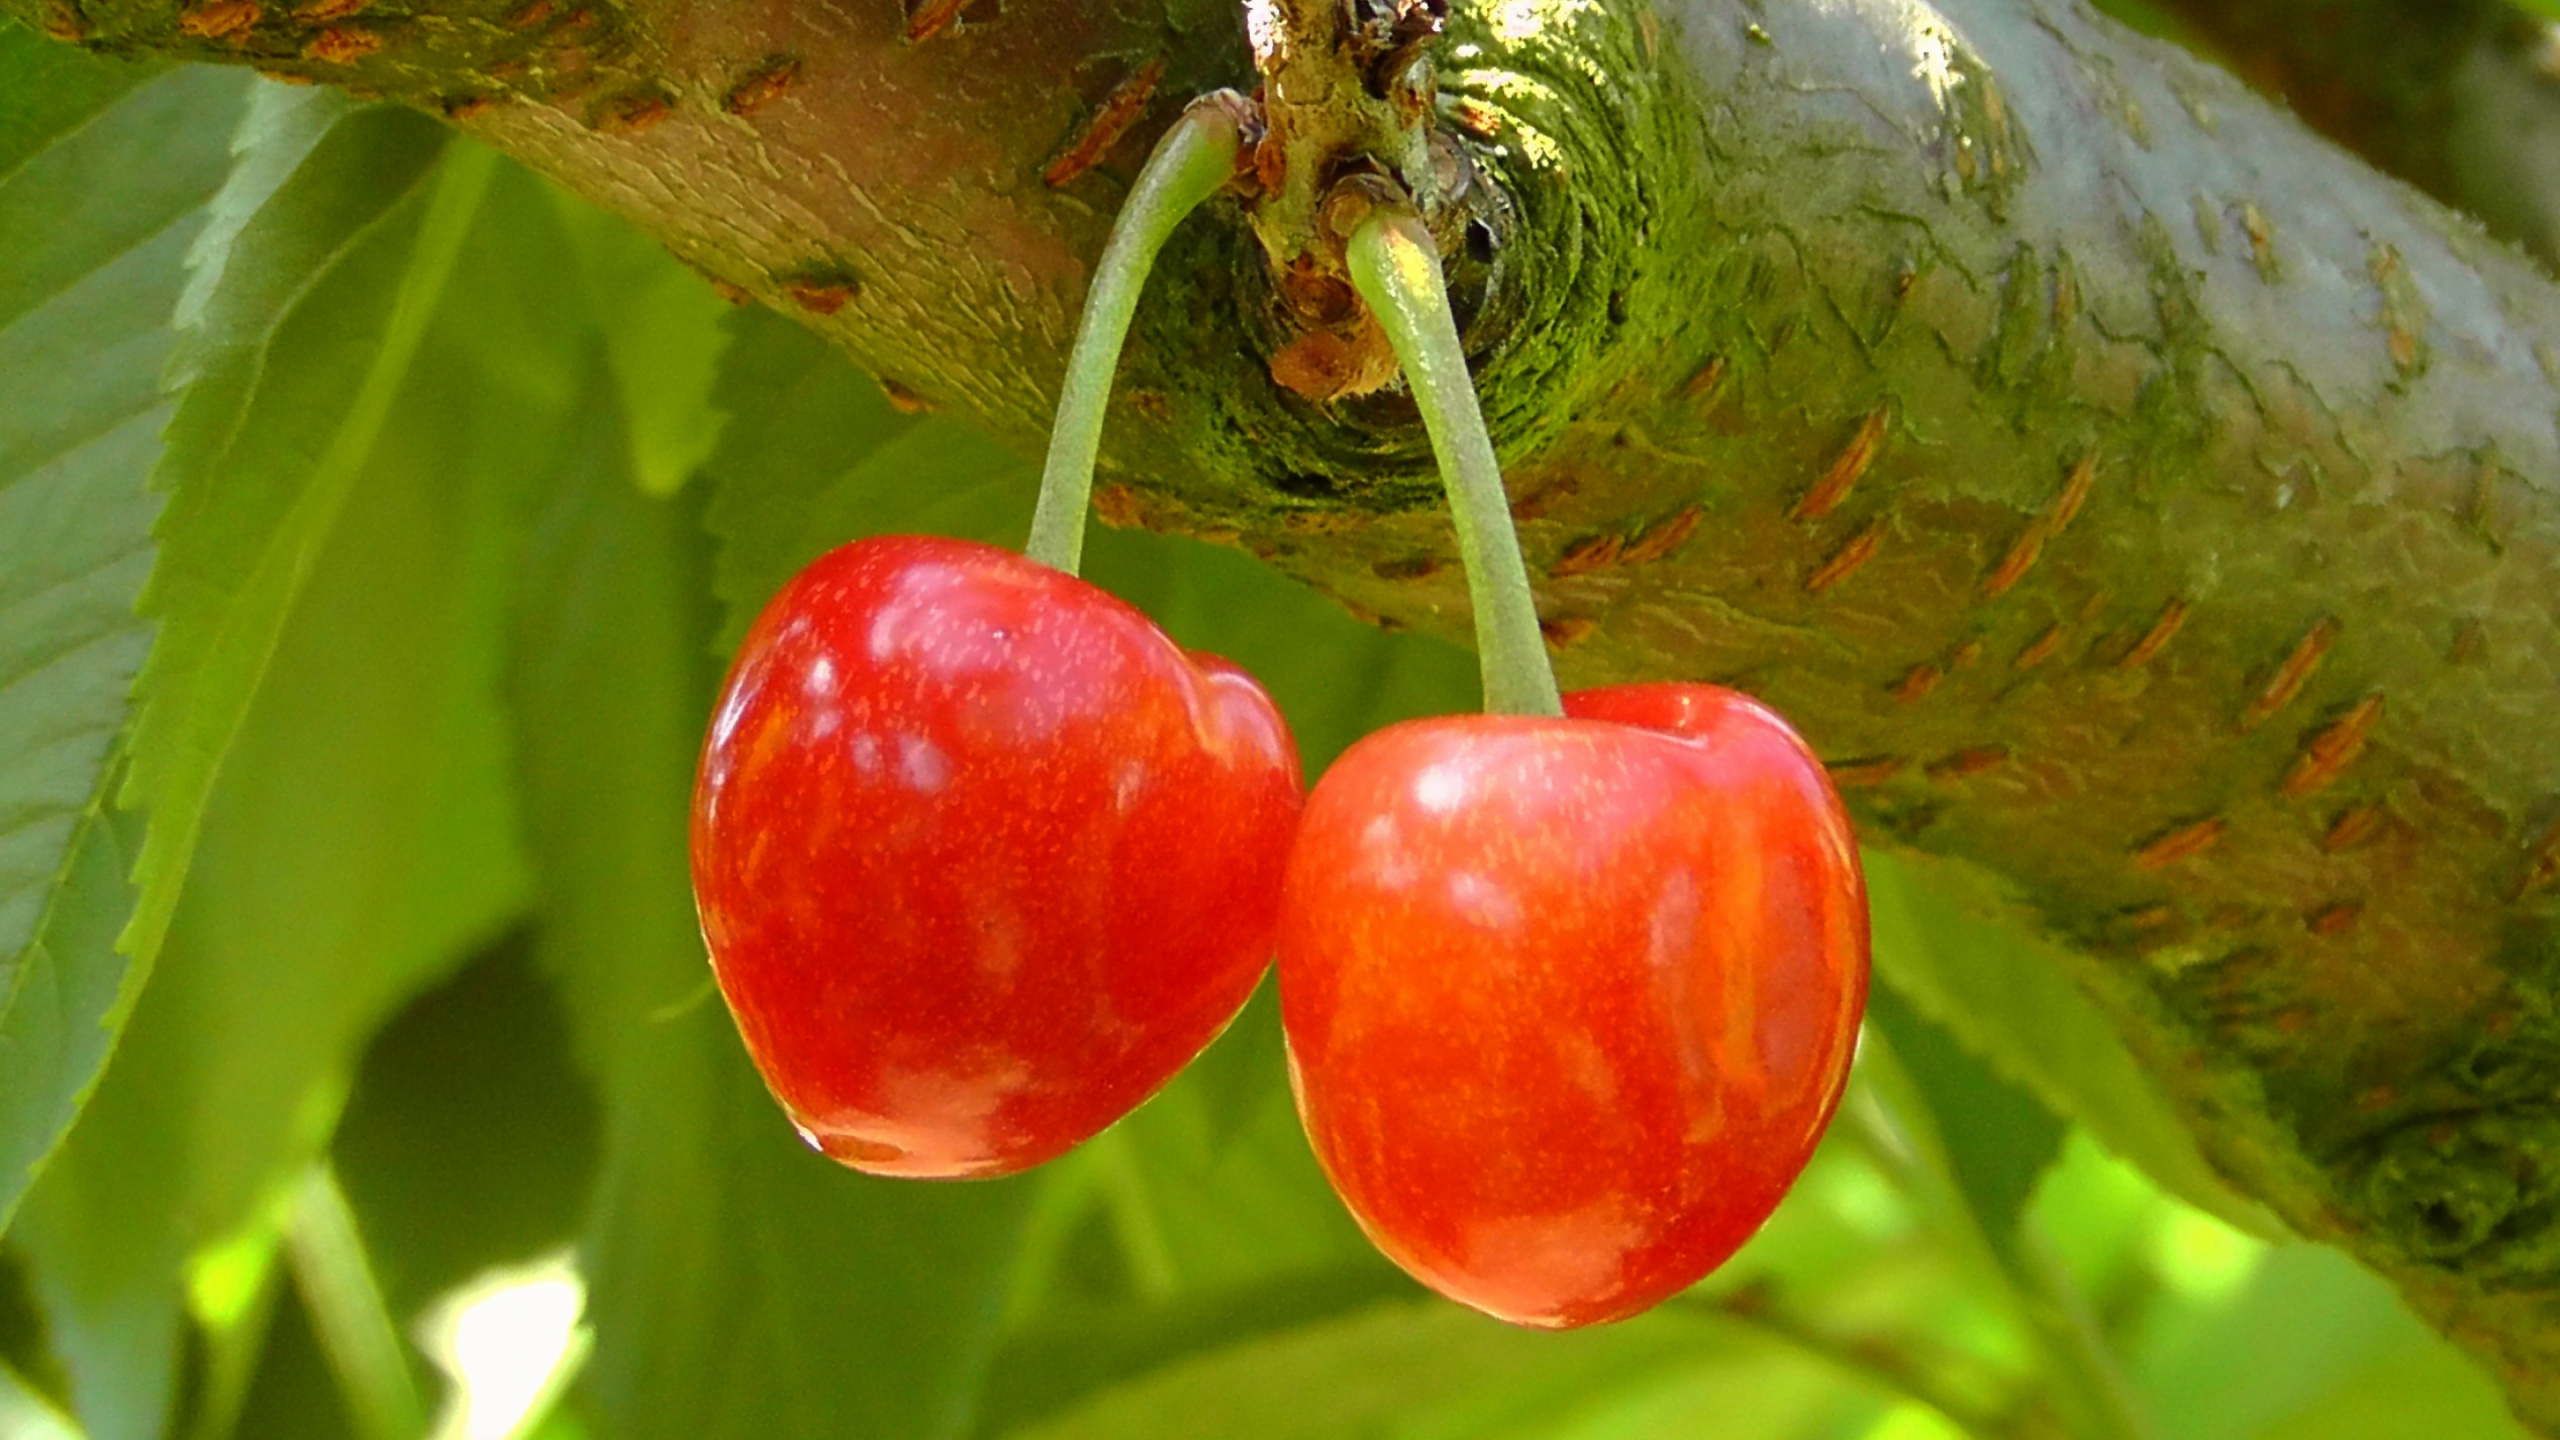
(53, 88)
(1334, 677)
(27, 1415)
(1047, 1367)
(325, 259)
(360, 840)
(1967, 1170)
(293, 1395)
(2010, 999)
(104, 178)
(1432, 1369)
(814, 455)
(470, 1138)
(1999, 1139)
(740, 1285)
(2103, 1221)
(662, 340)
(1226, 1213)
(68, 997)
(1244, 1071)
(2315, 1347)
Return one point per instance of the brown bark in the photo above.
(2139, 499)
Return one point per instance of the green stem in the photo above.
(1903, 1134)
(1133, 1215)
(1889, 1370)
(1396, 269)
(348, 1311)
(1193, 161)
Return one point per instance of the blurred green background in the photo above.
(428, 1120)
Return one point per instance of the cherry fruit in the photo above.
(1570, 1000)
(982, 856)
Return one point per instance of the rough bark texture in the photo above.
(2134, 496)
(2459, 97)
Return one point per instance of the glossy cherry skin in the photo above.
(982, 856)
(1569, 1001)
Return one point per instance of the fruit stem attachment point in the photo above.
(1194, 160)
(1396, 268)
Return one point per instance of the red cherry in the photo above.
(982, 856)
(1569, 1001)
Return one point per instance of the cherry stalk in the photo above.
(1396, 269)
(1194, 160)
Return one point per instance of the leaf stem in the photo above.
(1132, 1213)
(1396, 268)
(1888, 1368)
(1193, 161)
(1903, 1133)
(348, 1311)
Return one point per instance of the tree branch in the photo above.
(2139, 499)
(2458, 97)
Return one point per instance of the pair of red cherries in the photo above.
(984, 858)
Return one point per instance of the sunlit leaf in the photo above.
(2315, 1347)
(90, 273)
(2103, 1219)
(27, 1415)
(360, 839)
(325, 260)
(1964, 1170)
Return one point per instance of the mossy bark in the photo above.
(2131, 494)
